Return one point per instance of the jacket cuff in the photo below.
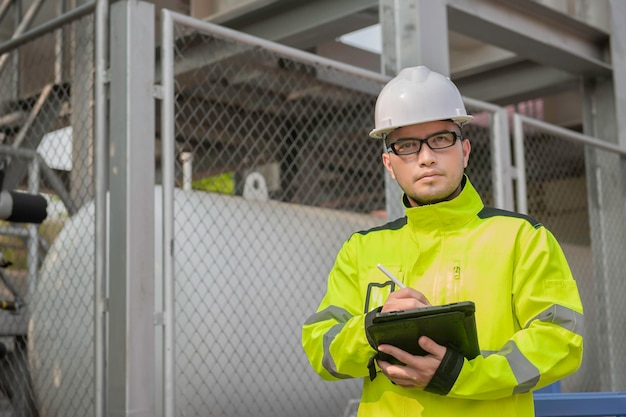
(369, 318)
(447, 373)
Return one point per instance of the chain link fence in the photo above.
(564, 191)
(46, 129)
(273, 171)
(271, 149)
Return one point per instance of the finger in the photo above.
(432, 347)
(397, 373)
(402, 376)
(405, 299)
(414, 294)
(397, 353)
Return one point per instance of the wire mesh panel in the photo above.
(557, 175)
(479, 168)
(275, 170)
(605, 313)
(46, 148)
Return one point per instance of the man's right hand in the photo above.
(405, 299)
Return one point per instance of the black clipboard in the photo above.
(451, 325)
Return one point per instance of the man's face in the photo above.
(428, 176)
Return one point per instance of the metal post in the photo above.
(33, 233)
(131, 355)
(59, 46)
(15, 56)
(414, 32)
(618, 61)
(501, 150)
(167, 169)
(101, 187)
(187, 160)
(520, 164)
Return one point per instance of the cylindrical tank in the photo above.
(247, 275)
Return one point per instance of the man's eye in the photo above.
(410, 144)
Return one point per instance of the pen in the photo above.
(391, 276)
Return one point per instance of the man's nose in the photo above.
(426, 156)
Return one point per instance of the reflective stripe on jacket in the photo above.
(528, 310)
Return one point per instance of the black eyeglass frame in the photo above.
(391, 148)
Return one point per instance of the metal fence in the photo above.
(566, 180)
(280, 175)
(46, 146)
(264, 170)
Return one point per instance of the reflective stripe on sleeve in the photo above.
(341, 316)
(327, 360)
(526, 374)
(338, 314)
(561, 316)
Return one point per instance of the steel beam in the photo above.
(303, 24)
(535, 32)
(514, 82)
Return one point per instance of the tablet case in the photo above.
(451, 325)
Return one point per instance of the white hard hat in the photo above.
(417, 95)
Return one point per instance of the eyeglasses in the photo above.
(436, 141)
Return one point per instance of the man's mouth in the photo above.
(428, 176)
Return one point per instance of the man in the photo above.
(448, 248)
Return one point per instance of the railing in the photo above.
(580, 404)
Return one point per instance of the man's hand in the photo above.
(405, 299)
(418, 370)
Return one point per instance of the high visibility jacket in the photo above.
(528, 309)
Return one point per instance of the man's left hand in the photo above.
(418, 370)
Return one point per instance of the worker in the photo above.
(447, 248)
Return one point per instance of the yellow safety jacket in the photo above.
(528, 309)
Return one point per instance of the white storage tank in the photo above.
(248, 273)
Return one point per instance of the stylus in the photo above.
(391, 276)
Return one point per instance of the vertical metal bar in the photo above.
(33, 234)
(131, 269)
(414, 32)
(167, 167)
(186, 158)
(501, 159)
(520, 164)
(58, 47)
(618, 63)
(15, 87)
(101, 186)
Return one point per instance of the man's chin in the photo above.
(430, 196)
(424, 199)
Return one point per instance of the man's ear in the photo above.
(387, 164)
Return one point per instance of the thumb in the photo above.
(432, 347)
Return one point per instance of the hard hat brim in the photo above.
(381, 132)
